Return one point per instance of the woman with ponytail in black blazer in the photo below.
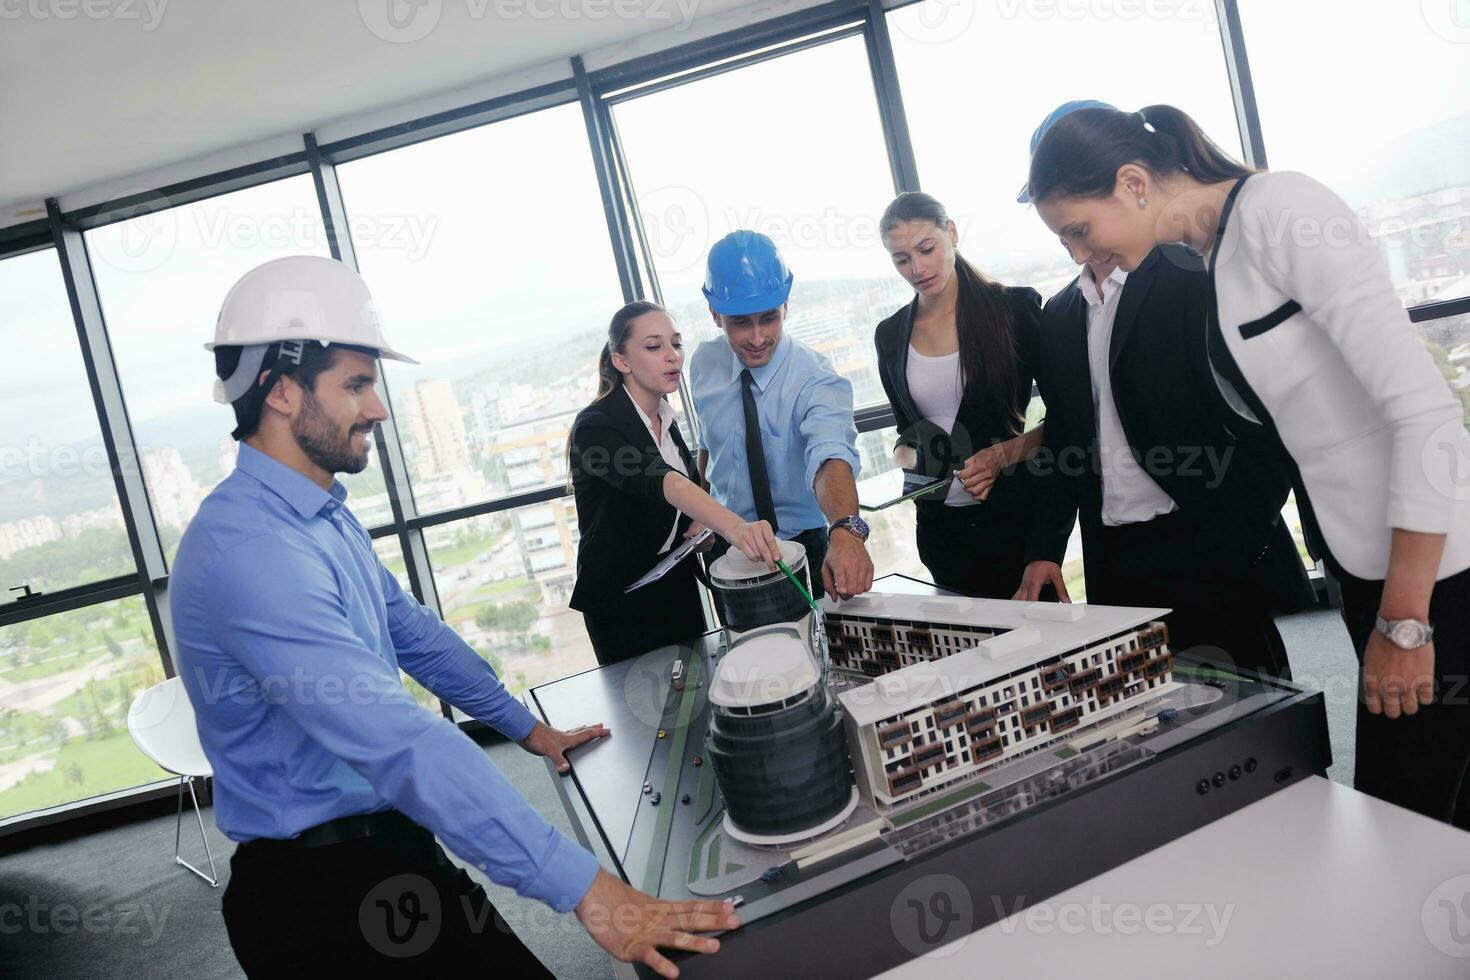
(1314, 355)
(957, 365)
(630, 474)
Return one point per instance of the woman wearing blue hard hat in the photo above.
(1312, 353)
(776, 422)
(957, 363)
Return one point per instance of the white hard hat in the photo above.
(297, 298)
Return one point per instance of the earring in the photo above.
(1143, 202)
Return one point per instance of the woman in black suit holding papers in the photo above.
(630, 476)
(1314, 355)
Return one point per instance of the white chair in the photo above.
(161, 722)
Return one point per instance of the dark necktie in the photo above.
(760, 482)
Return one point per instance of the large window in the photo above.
(60, 524)
(487, 252)
(791, 147)
(504, 580)
(1378, 108)
(66, 683)
(977, 79)
(162, 277)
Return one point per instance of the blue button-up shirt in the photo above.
(805, 411)
(290, 633)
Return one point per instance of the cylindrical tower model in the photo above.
(776, 740)
(753, 595)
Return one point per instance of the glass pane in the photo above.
(1391, 135)
(162, 278)
(60, 524)
(390, 553)
(504, 580)
(489, 250)
(66, 683)
(977, 78)
(1448, 340)
(792, 148)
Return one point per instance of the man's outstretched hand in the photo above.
(552, 743)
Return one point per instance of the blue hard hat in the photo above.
(745, 274)
(1066, 108)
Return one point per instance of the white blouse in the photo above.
(667, 448)
(938, 389)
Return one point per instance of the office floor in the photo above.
(112, 904)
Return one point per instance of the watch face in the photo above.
(861, 526)
(1407, 635)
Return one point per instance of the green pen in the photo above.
(799, 587)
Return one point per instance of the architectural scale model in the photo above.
(962, 685)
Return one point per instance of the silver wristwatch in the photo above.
(855, 524)
(1406, 634)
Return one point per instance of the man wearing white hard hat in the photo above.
(290, 635)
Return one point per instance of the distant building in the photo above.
(436, 425)
(964, 684)
(28, 532)
(228, 449)
(534, 452)
(547, 535)
(74, 525)
(171, 487)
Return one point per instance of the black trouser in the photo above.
(1218, 616)
(813, 540)
(667, 611)
(392, 904)
(972, 550)
(1419, 761)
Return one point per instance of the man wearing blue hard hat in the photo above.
(777, 439)
(1175, 511)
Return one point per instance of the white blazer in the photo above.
(1356, 399)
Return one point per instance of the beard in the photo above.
(324, 443)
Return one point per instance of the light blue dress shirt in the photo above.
(805, 411)
(289, 635)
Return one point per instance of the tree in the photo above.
(113, 647)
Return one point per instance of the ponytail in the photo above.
(1080, 154)
(608, 376)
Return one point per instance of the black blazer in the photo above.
(617, 479)
(1229, 492)
(983, 419)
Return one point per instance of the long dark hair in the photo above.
(1081, 153)
(609, 378)
(982, 314)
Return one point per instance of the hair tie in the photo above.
(1144, 119)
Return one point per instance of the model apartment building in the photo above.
(961, 685)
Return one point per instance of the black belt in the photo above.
(342, 830)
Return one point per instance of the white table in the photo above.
(1317, 880)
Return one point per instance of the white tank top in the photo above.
(937, 389)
